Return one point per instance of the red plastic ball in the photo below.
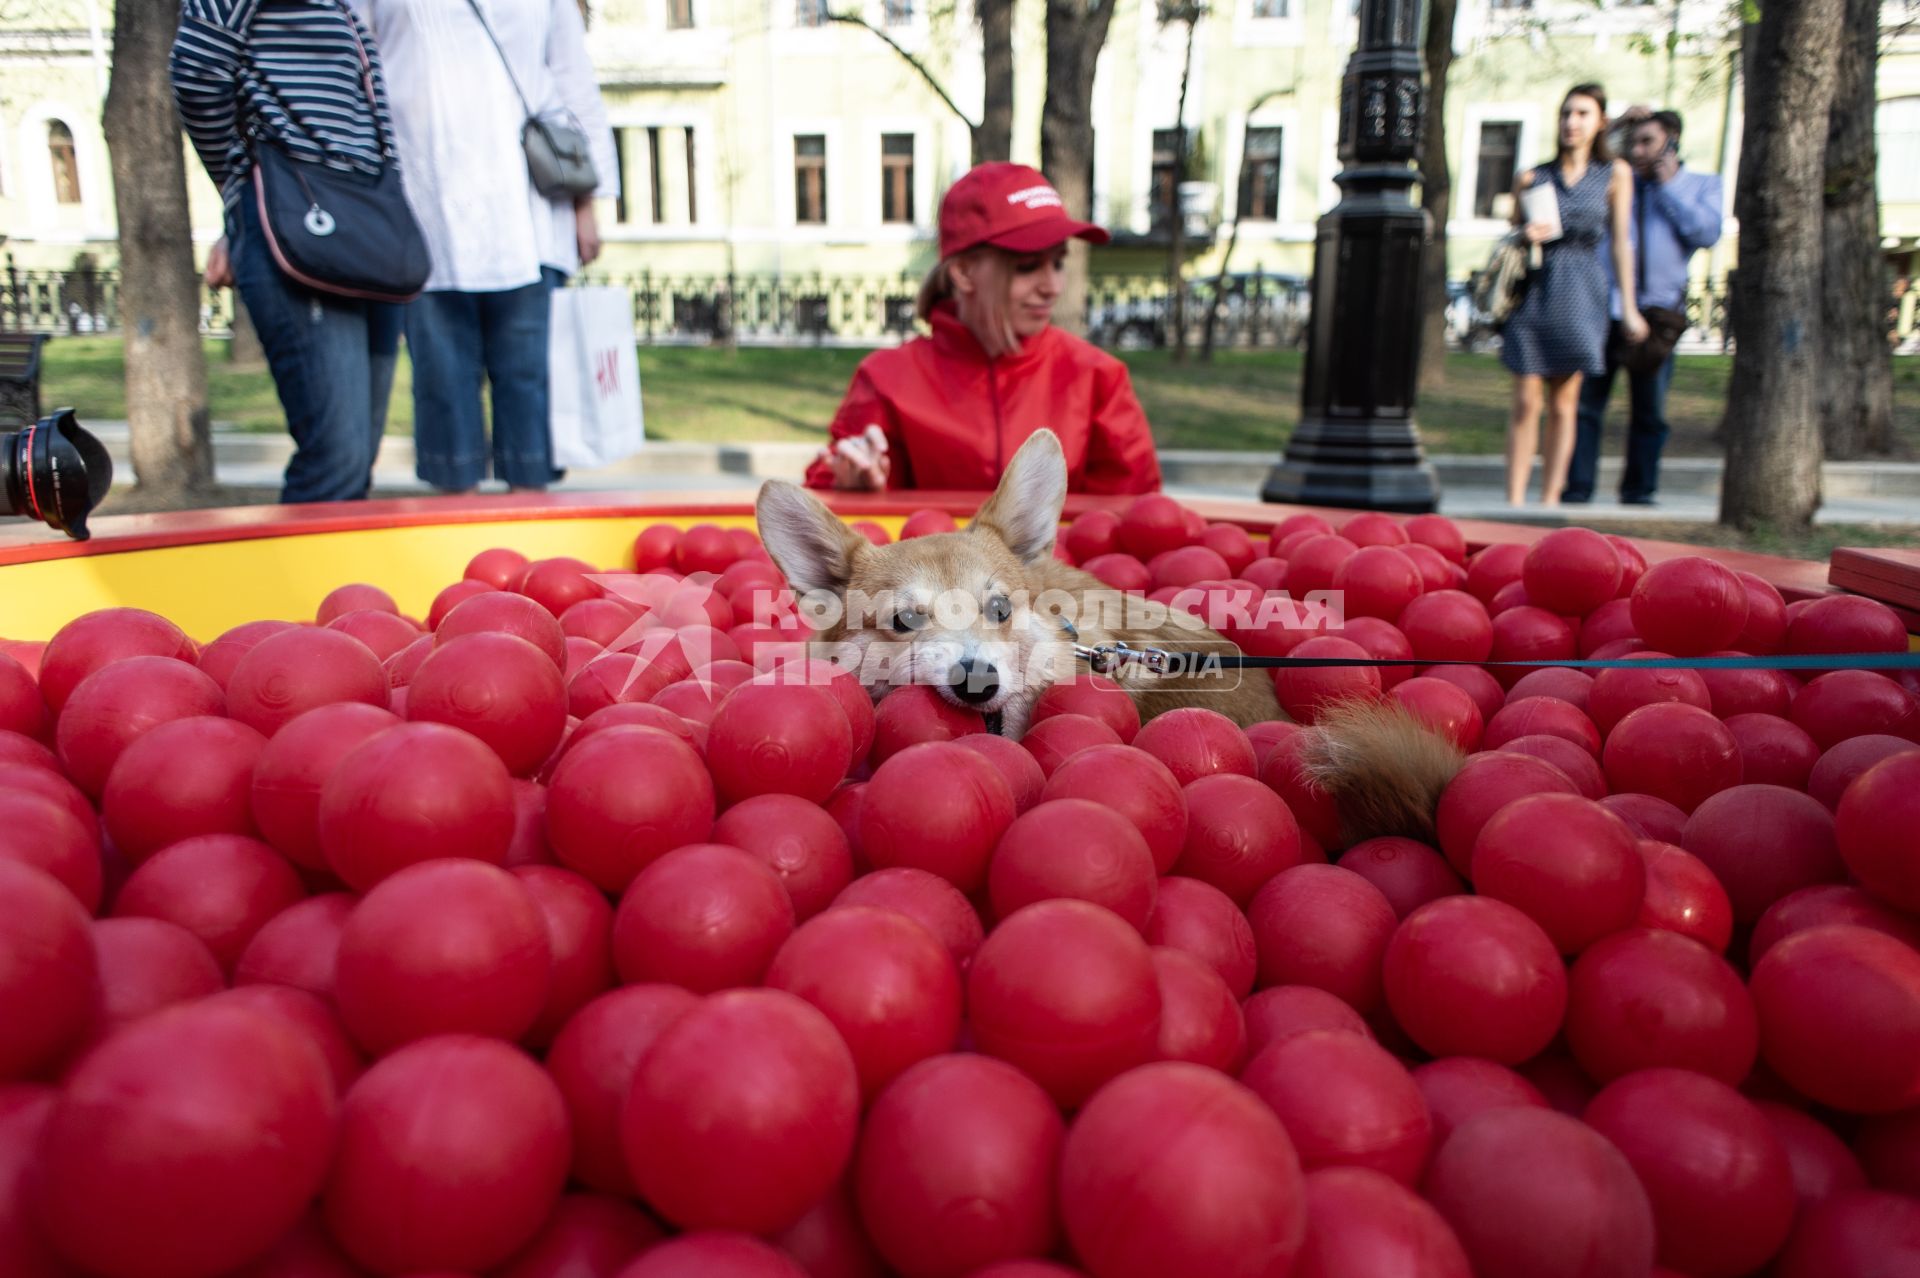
(49, 975)
(1232, 543)
(290, 770)
(500, 689)
(1762, 842)
(1875, 827)
(1305, 692)
(1471, 976)
(289, 673)
(1239, 835)
(1535, 1194)
(1281, 1011)
(1134, 783)
(1200, 1020)
(1054, 740)
(1840, 1017)
(1444, 707)
(1824, 905)
(97, 639)
(714, 1254)
(1582, 768)
(19, 750)
(1676, 752)
(1456, 1088)
(184, 778)
(1684, 896)
(844, 686)
(936, 807)
(1315, 562)
(404, 664)
(1485, 784)
(1571, 571)
(1345, 1102)
(356, 597)
(1361, 1223)
(22, 709)
(1203, 921)
(1284, 772)
(1373, 528)
(743, 1113)
(384, 633)
(1194, 742)
(1476, 682)
(1437, 572)
(1772, 750)
(1845, 623)
(1094, 696)
(1382, 641)
(1176, 1169)
(1065, 991)
(587, 1236)
(223, 888)
(778, 739)
(1853, 703)
(1611, 622)
(1407, 872)
(1119, 571)
(452, 1153)
(218, 659)
(1528, 633)
(1736, 692)
(1842, 763)
(1186, 565)
(1766, 625)
(1075, 849)
(146, 964)
(1152, 523)
(1541, 716)
(1716, 1175)
(297, 946)
(1620, 691)
(1859, 1232)
(706, 917)
(928, 900)
(580, 935)
(119, 703)
(503, 612)
(927, 523)
(622, 798)
(1494, 567)
(1094, 533)
(414, 793)
(914, 715)
(653, 548)
(593, 1060)
(1378, 581)
(1440, 533)
(1644, 998)
(1447, 625)
(1323, 926)
(798, 840)
(1889, 1149)
(557, 584)
(1821, 1163)
(1018, 767)
(1565, 862)
(1650, 817)
(39, 829)
(1688, 606)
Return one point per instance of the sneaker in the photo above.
(1646, 500)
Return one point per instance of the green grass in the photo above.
(1242, 401)
(1817, 544)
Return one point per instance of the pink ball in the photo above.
(1445, 707)
(223, 888)
(1361, 1223)
(1378, 581)
(915, 715)
(1476, 683)
(1152, 523)
(1135, 784)
(298, 946)
(939, 808)
(623, 798)
(1846, 623)
(1684, 896)
(184, 778)
(1439, 532)
(1200, 1020)
(557, 584)
(956, 1167)
(653, 548)
(356, 597)
(1485, 784)
(587, 1236)
(1382, 641)
(500, 689)
(1239, 835)
(1620, 691)
(1611, 622)
(290, 770)
(1565, 862)
(1854, 703)
(507, 613)
(1716, 1175)
(1285, 773)
(186, 1144)
(707, 917)
(49, 975)
(289, 673)
(40, 830)
(1541, 716)
(1093, 533)
(1675, 752)
(1571, 571)
(1736, 692)
(798, 840)
(593, 1060)
(1471, 976)
(312, 1016)
(1822, 1164)
(1650, 817)
(1762, 842)
(1842, 763)
(1840, 1018)
(1175, 1169)
(1456, 1088)
(145, 965)
(1582, 768)
(1119, 571)
(1875, 827)
(1075, 849)
(928, 900)
(1282, 1011)
(1065, 991)
(414, 793)
(779, 739)
(1018, 768)
(830, 1239)
(743, 1113)
(1772, 750)
(443, 947)
(117, 704)
(714, 1254)
(1194, 742)
(1345, 1102)
(451, 597)
(1823, 905)
(1766, 626)
(1859, 1232)
(1305, 692)
(1643, 998)
(384, 633)
(1203, 921)
(1186, 565)
(887, 984)
(1535, 1194)
(1374, 528)
(1689, 606)
(1094, 696)
(1527, 633)
(1323, 926)
(1055, 740)
(580, 933)
(1447, 625)
(97, 639)
(1313, 564)
(418, 1184)
(22, 709)
(1407, 872)
(1232, 543)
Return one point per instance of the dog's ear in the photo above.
(808, 542)
(1024, 510)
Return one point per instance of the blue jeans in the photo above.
(1646, 433)
(456, 341)
(332, 362)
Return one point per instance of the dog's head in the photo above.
(962, 612)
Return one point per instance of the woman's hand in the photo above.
(586, 229)
(860, 462)
(1635, 326)
(1541, 232)
(219, 265)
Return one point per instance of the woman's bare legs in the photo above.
(1563, 407)
(1523, 431)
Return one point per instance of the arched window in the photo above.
(66, 171)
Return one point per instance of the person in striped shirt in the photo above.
(306, 75)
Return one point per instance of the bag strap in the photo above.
(525, 106)
(382, 138)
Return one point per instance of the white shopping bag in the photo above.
(594, 377)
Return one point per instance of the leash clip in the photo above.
(1104, 659)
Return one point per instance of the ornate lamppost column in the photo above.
(1356, 444)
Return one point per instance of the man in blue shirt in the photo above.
(1676, 212)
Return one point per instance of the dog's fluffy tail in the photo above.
(1384, 769)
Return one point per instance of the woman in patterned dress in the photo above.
(1559, 331)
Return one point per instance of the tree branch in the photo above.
(855, 20)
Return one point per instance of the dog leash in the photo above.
(1106, 658)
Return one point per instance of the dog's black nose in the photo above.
(974, 681)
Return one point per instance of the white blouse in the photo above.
(457, 124)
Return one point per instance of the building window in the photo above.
(810, 178)
(1897, 124)
(1270, 8)
(653, 175)
(1499, 156)
(1260, 176)
(693, 213)
(679, 15)
(623, 160)
(897, 13)
(896, 177)
(66, 170)
(1165, 191)
(810, 13)
(1510, 4)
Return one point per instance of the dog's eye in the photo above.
(999, 608)
(907, 621)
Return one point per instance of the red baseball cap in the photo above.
(1009, 206)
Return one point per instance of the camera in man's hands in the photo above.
(55, 472)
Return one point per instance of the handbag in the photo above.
(558, 159)
(1499, 288)
(1664, 328)
(340, 231)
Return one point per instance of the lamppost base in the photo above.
(1355, 467)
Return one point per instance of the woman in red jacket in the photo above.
(950, 409)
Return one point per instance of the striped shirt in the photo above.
(299, 72)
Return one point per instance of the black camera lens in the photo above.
(56, 472)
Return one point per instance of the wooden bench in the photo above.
(19, 379)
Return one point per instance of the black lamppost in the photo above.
(1356, 444)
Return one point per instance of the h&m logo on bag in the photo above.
(1036, 198)
(606, 372)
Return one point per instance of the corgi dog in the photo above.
(990, 619)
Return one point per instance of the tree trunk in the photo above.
(1075, 34)
(1772, 422)
(1176, 216)
(1856, 366)
(1436, 195)
(993, 139)
(159, 288)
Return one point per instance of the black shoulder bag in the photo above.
(337, 230)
